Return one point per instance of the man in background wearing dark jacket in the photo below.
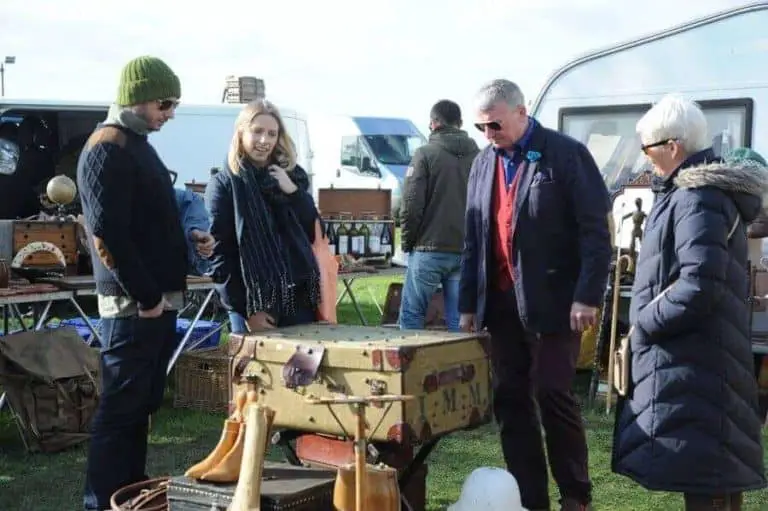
(432, 217)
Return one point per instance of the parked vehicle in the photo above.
(191, 145)
(716, 60)
(363, 152)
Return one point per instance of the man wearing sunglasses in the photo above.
(139, 256)
(536, 256)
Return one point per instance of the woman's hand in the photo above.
(279, 173)
(260, 321)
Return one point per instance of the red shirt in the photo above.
(502, 214)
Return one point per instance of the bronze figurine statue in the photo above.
(638, 217)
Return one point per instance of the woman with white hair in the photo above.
(689, 422)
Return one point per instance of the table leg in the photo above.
(95, 335)
(347, 283)
(375, 301)
(42, 319)
(19, 316)
(352, 298)
(188, 333)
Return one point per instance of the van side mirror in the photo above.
(366, 164)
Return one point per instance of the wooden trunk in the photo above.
(61, 234)
(354, 202)
(284, 487)
(448, 373)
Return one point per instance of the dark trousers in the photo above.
(531, 370)
(134, 359)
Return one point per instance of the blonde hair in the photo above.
(284, 153)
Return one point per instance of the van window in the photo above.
(609, 134)
(394, 149)
(350, 152)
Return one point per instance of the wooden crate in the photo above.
(355, 202)
(202, 380)
(61, 234)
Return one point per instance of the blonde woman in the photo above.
(263, 218)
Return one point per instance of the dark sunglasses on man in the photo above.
(493, 126)
(167, 104)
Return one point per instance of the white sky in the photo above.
(355, 57)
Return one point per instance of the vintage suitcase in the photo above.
(284, 487)
(448, 373)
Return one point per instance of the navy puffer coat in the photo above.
(690, 423)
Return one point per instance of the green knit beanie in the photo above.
(744, 155)
(146, 79)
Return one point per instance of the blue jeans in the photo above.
(303, 316)
(426, 271)
(134, 358)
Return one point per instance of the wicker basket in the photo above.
(202, 380)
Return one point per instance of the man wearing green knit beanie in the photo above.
(139, 257)
(149, 89)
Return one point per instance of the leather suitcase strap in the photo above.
(152, 496)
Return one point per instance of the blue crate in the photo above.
(82, 327)
(202, 328)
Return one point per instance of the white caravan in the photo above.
(719, 61)
(192, 144)
(362, 152)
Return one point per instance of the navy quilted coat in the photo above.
(690, 423)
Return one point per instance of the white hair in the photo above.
(498, 91)
(675, 117)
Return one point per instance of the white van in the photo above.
(719, 61)
(362, 152)
(192, 144)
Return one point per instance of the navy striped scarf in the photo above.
(278, 266)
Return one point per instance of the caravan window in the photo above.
(609, 134)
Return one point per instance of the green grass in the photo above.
(179, 438)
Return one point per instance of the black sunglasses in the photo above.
(174, 176)
(666, 141)
(493, 125)
(167, 104)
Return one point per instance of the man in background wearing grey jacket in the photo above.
(432, 217)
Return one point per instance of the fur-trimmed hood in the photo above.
(747, 184)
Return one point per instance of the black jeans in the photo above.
(134, 359)
(532, 378)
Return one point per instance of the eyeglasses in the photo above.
(167, 104)
(493, 126)
(666, 141)
(174, 176)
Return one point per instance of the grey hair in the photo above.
(675, 117)
(498, 91)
